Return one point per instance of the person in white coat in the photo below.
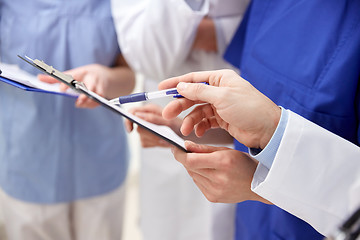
(159, 39)
(293, 163)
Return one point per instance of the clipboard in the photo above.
(163, 132)
(26, 82)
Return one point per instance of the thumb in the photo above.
(77, 73)
(47, 78)
(198, 92)
(199, 148)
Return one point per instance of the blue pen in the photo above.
(143, 96)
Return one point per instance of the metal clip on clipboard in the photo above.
(64, 78)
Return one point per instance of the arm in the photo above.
(315, 174)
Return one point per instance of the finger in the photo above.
(150, 117)
(196, 116)
(202, 156)
(91, 81)
(199, 92)
(179, 155)
(199, 156)
(148, 108)
(129, 125)
(47, 78)
(148, 139)
(202, 127)
(174, 108)
(63, 87)
(77, 73)
(85, 102)
(201, 148)
(204, 76)
(163, 143)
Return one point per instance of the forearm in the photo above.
(314, 176)
(121, 82)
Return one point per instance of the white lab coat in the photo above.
(315, 175)
(156, 37)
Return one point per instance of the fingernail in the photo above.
(182, 86)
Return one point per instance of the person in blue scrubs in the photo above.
(305, 56)
(62, 168)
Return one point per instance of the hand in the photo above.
(151, 113)
(205, 38)
(105, 81)
(222, 174)
(232, 103)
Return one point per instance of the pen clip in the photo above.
(178, 96)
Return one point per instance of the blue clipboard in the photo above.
(161, 131)
(31, 89)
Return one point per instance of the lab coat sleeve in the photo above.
(155, 35)
(315, 175)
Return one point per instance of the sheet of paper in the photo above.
(164, 131)
(13, 72)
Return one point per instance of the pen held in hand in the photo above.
(144, 96)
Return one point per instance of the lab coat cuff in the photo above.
(260, 175)
(267, 155)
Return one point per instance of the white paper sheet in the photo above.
(13, 72)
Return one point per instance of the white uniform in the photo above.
(308, 177)
(156, 37)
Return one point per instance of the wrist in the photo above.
(272, 123)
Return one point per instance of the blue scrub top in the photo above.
(304, 55)
(50, 151)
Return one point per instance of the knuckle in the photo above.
(189, 162)
(212, 198)
(226, 163)
(198, 88)
(220, 182)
